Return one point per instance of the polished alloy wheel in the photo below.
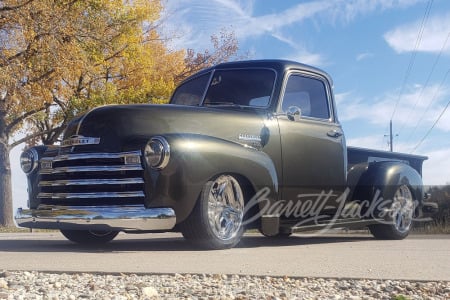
(403, 209)
(225, 207)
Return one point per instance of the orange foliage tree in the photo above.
(59, 58)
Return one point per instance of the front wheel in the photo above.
(216, 221)
(89, 237)
(399, 222)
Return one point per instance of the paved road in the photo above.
(349, 256)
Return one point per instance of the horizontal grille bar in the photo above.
(76, 156)
(137, 194)
(92, 182)
(77, 179)
(92, 169)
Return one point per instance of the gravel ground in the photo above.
(38, 285)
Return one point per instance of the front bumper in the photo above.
(118, 218)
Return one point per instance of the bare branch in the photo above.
(30, 137)
(20, 119)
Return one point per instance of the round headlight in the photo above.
(157, 152)
(29, 160)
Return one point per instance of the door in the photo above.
(312, 141)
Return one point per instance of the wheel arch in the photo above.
(385, 177)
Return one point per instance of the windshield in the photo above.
(243, 87)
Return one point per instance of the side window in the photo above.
(191, 92)
(309, 94)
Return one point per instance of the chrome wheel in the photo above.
(397, 223)
(225, 207)
(403, 209)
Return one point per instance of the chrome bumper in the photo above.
(120, 218)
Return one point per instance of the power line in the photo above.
(429, 104)
(438, 118)
(432, 127)
(413, 55)
(438, 57)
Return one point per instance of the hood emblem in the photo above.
(77, 140)
(249, 137)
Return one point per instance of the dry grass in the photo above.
(13, 230)
(22, 230)
(432, 228)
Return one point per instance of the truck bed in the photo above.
(357, 155)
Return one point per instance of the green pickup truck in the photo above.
(251, 144)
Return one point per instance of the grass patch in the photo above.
(13, 229)
(432, 228)
(23, 230)
(400, 297)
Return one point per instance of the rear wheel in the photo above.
(89, 237)
(216, 221)
(399, 223)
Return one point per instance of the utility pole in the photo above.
(391, 138)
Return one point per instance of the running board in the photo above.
(346, 223)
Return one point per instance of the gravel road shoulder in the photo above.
(38, 285)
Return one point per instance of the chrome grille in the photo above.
(92, 179)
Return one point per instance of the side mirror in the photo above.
(294, 113)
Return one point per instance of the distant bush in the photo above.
(441, 219)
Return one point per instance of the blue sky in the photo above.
(367, 47)
(383, 61)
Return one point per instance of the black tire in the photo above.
(399, 223)
(85, 237)
(216, 221)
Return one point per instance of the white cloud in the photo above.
(444, 122)
(306, 57)
(436, 170)
(436, 32)
(411, 108)
(300, 53)
(194, 21)
(368, 141)
(363, 56)
(210, 17)
(347, 11)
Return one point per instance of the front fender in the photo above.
(195, 159)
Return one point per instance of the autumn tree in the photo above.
(60, 58)
(225, 47)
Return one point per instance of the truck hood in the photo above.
(126, 127)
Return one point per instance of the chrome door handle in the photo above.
(334, 133)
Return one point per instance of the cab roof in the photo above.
(279, 65)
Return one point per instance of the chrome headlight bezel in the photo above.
(29, 160)
(157, 152)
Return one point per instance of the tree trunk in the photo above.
(6, 204)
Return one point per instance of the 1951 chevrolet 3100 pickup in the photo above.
(252, 144)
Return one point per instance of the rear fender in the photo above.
(381, 180)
